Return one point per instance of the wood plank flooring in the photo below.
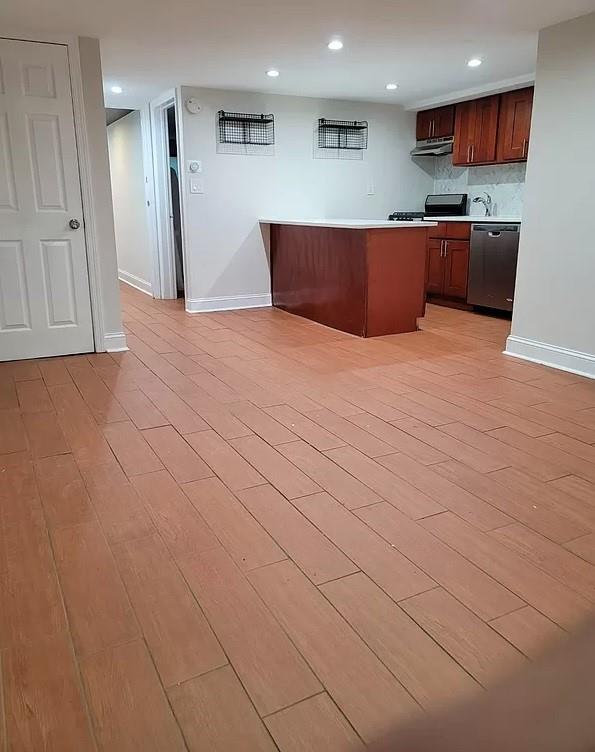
(251, 532)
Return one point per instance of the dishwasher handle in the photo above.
(494, 234)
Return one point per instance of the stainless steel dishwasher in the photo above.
(492, 265)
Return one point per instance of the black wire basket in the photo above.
(246, 128)
(342, 134)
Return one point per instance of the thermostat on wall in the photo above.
(192, 105)
(194, 165)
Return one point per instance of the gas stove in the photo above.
(405, 216)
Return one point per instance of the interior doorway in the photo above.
(174, 199)
(167, 173)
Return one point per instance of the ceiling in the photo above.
(149, 46)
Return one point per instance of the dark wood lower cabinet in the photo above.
(435, 268)
(456, 268)
(447, 268)
(368, 282)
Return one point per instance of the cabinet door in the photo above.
(456, 268)
(514, 125)
(483, 147)
(435, 268)
(464, 133)
(444, 121)
(424, 125)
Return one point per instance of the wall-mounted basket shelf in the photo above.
(342, 134)
(246, 128)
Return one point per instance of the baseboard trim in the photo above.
(573, 361)
(227, 303)
(115, 342)
(136, 282)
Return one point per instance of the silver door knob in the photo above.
(74, 224)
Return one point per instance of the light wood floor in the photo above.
(251, 532)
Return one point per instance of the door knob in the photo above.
(74, 224)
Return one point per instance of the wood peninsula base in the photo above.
(366, 279)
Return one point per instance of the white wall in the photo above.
(226, 261)
(108, 299)
(554, 314)
(133, 246)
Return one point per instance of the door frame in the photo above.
(84, 159)
(164, 273)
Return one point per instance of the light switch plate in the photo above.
(196, 185)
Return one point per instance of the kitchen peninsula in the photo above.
(363, 277)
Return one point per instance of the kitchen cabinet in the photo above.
(447, 261)
(476, 130)
(435, 267)
(514, 125)
(456, 268)
(436, 123)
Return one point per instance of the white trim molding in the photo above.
(137, 282)
(497, 87)
(115, 342)
(228, 303)
(562, 358)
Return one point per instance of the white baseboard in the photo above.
(574, 361)
(228, 303)
(115, 342)
(136, 282)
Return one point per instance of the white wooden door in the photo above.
(45, 304)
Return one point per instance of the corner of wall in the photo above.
(562, 358)
(97, 197)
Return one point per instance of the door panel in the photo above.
(14, 301)
(444, 120)
(424, 125)
(456, 269)
(464, 133)
(44, 288)
(486, 129)
(435, 268)
(515, 125)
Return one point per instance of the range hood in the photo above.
(433, 147)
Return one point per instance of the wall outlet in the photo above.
(196, 185)
(371, 188)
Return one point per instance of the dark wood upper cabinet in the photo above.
(493, 129)
(476, 129)
(436, 123)
(514, 125)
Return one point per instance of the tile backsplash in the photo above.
(505, 184)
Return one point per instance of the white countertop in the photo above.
(350, 224)
(475, 218)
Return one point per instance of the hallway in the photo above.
(251, 532)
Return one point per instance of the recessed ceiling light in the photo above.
(116, 89)
(273, 73)
(475, 62)
(391, 87)
(335, 44)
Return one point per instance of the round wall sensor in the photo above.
(193, 106)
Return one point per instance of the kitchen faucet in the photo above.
(487, 202)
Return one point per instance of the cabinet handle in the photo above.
(525, 144)
(472, 152)
(431, 129)
(445, 248)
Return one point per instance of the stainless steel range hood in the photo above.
(433, 147)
